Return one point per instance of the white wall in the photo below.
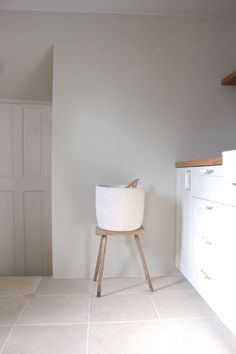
(131, 95)
(25, 70)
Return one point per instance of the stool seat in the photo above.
(101, 232)
(102, 250)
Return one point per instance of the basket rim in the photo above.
(118, 187)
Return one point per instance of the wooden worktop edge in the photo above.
(210, 161)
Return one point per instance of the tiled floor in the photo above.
(46, 316)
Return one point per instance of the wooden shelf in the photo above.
(230, 79)
(210, 161)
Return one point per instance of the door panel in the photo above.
(6, 142)
(7, 237)
(25, 202)
(33, 232)
(32, 136)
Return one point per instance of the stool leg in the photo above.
(98, 261)
(146, 272)
(103, 251)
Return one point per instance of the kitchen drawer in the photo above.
(205, 271)
(205, 219)
(206, 230)
(205, 276)
(213, 188)
(220, 295)
(208, 171)
(205, 284)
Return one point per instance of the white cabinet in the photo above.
(184, 239)
(224, 300)
(210, 248)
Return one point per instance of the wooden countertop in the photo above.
(210, 161)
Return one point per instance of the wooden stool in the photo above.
(102, 250)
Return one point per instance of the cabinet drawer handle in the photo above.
(187, 180)
(205, 274)
(234, 184)
(204, 206)
(209, 243)
(207, 172)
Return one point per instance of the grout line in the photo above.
(14, 326)
(50, 295)
(5, 325)
(123, 321)
(162, 291)
(155, 308)
(36, 287)
(51, 324)
(118, 292)
(133, 276)
(10, 295)
(111, 322)
(6, 340)
(89, 313)
(23, 294)
(189, 318)
(126, 293)
(18, 318)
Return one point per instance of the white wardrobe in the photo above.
(25, 189)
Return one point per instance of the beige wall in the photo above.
(131, 95)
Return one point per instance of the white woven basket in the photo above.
(119, 208)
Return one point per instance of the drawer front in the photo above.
(208, 171)
(213, 187)
(214, 235)
(205, 216)
(205, 284)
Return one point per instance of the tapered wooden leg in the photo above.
(101, 267)
(98, 261)
(146, 272)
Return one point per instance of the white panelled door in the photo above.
(25, 189)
